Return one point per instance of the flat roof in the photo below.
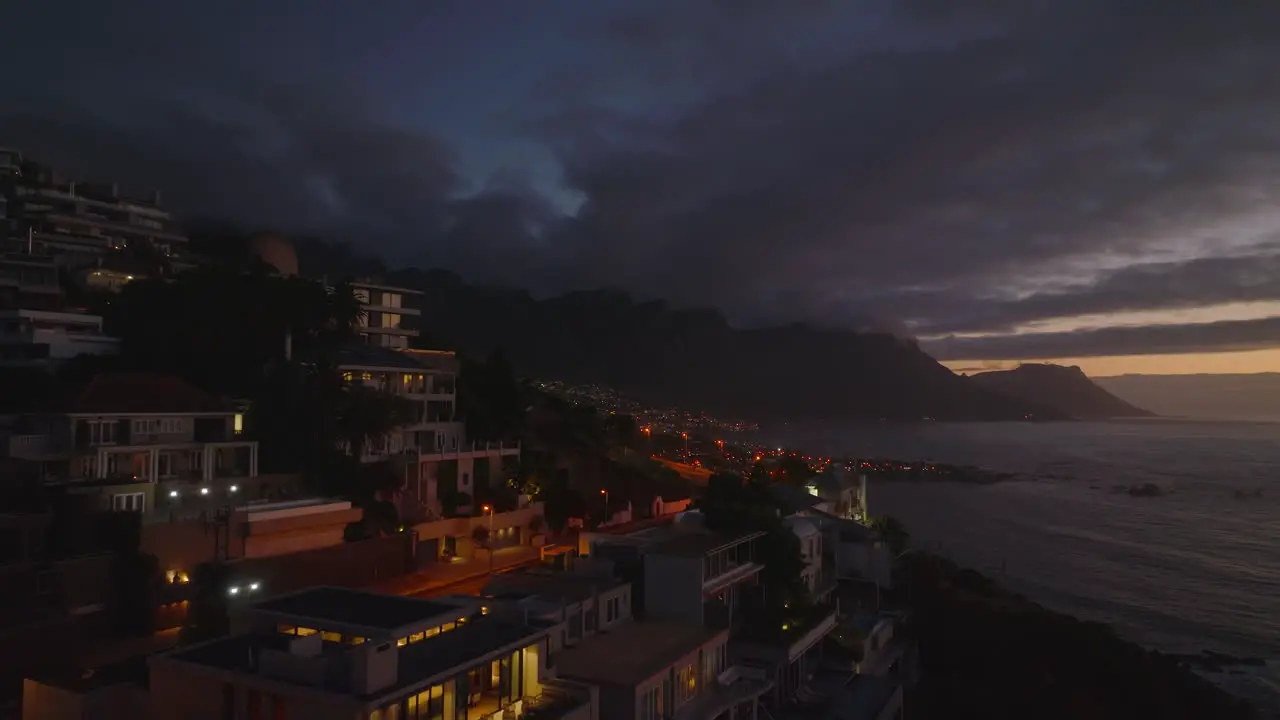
(418, 663)
(698, 542)
(456, 650)
(550, 584)
(632, 652)
(132, 671)
(374, 356)
(344, 606)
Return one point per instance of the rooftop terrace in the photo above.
(355, 608)
(632, 652)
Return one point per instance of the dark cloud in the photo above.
(944, 167)
(1150, 286)
(970, 158)
(1152, 340)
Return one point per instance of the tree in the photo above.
(365, 414)
(207, 614)
(794, 471)
(893, 532)
(490, 397)
(735, 506)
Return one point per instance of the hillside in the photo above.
(695, 358)
(1253, 396)
(1066, 389)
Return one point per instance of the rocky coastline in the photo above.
(988, 652)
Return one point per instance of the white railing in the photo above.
(30, 447)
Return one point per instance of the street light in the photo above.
(489, 509)
(686, 444)
(605, 493)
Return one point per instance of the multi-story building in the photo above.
(141, 442)
(38, 337)
(438, 459)
(36, 324)
(10, 170)
(668, 664)
(386, 313)
(699, 578)
(83, 223)
(343, 654)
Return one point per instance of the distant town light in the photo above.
(254, 586)
(204, 491)
(234, 488)
(173, 493)
(233, 590)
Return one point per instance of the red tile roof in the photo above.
(127, 393)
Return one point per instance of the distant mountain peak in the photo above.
(1065, 388)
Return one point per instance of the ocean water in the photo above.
(1197, 568)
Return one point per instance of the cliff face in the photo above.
(1066, 389)
(695, 358)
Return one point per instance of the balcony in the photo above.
(472, 450)
(558, 702)
(737, 684)
(32, 447)
(772, 643)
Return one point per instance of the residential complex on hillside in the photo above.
(140, 443)
(82, 223)
(438, 460)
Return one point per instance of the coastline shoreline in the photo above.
(973, 630)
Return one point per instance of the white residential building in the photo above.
(385, 321)
(433, 447)
(143, 443)
(42, 336)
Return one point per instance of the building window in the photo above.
(651, 704)
(686, 683)
(102, 432)
(129, 502)
(158, 426)
(426, 705)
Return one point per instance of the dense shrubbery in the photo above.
(986, 652)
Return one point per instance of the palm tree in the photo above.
(366, 413)
(536, 524)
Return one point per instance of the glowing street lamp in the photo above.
(489, 509)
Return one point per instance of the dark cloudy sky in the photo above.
(1007, 179)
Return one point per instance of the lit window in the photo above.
(238, 423)
(432, 632)
(402, 642)
(416, 637)
(287, 629)
(304, 631)
(331, 636)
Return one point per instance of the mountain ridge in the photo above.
(681, 357)
(1066, 388)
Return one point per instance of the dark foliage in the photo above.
(986, 652)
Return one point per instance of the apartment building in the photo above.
(696, 577)
(852, 546)
(84, 223)
(387, 312)
(336, 653)
(41, 337)
(434, 447)
(641, 669)
(140, 442)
